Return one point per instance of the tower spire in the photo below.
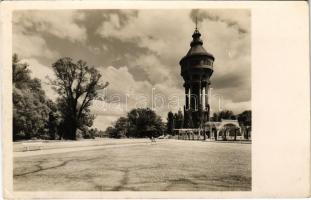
(196, 22)
(196, 35)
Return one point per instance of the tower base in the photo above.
(195, 118)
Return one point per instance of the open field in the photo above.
(169, 165)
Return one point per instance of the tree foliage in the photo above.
(36, 116)
(174, 121)
(31, 108)
(245, 121)
(77, 85)
(170, 122)
(224, 114)
(179, 119)
(139, 123)
(245, 118)
(120, 128)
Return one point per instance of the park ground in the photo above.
(134, 165)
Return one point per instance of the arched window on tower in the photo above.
(208, 62)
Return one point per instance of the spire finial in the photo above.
(196, 22)
(196, 35)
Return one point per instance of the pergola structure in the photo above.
(225, 129)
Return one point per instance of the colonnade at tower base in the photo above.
(224, 130)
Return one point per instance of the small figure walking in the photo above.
(152, 139)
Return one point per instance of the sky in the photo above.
(138, 53)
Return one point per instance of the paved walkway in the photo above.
(37, 147)
(71, 146)
(168, 165)
(54, 144)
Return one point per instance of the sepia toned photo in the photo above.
(132, 100)
(143, 100)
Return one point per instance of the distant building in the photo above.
(196, 70)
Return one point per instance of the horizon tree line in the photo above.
(138, 123)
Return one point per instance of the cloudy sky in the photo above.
(138, 53)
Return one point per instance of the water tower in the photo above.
(196, 70)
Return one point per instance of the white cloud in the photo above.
(29, 28)
(60, 23)
(231, 17)
(120, 80)
(238, 107)
(152, 66)
(27, 46)
(167, 33)
(137, 94)
(160, 31)
(42, 72)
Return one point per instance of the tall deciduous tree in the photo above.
(179, 119)
(245, 121)
(245, 118)
(170, 122)
(78, 85)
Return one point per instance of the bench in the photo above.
(32, 146)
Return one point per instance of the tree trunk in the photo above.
(70, 131)
(73, 135)
(246, 131)
(234, 134)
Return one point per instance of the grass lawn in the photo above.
(171, 165)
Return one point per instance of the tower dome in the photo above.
(196, 48)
